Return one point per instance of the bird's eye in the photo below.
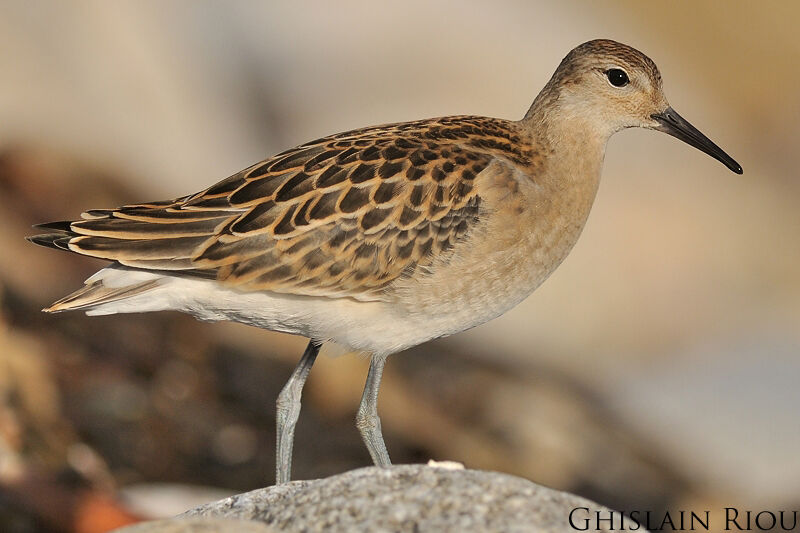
(617, 77)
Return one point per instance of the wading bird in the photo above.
(385, 237)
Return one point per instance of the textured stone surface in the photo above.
(198, 525)
(405, 498)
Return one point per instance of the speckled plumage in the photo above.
(345, 215)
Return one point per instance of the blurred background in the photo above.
(657, 369)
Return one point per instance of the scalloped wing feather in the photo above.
(342, 216)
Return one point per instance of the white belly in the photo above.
(377, 327)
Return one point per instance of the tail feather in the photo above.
(59, 241)
(149, 244)
(61, 225)
(96, 293)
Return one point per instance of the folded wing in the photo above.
(342, 216)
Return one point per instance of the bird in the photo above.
(381, 238)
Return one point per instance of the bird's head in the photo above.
(613, 86)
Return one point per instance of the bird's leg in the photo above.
(289, 410)
(367, 420)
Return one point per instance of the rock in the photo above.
(197, 525)
(407, 498)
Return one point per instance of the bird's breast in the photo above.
(527, 228)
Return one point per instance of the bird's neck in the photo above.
(560, 116)
(574, 144)
(574, 147)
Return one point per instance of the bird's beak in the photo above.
(672, 123)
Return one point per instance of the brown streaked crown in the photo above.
(588, 53)
(577, 68)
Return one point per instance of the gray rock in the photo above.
(409, 498)
(197, 525)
